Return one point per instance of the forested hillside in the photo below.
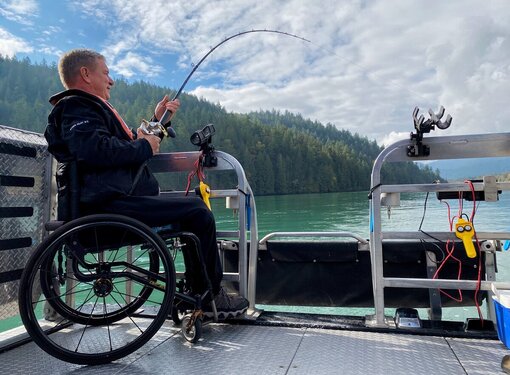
(281, 152)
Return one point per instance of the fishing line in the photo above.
(364, 69)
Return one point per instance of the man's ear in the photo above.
(85, 74)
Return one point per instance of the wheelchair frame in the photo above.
(99, 257)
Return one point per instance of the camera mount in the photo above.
(423, 126)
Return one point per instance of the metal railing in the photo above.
(448, 147)
(247, 267)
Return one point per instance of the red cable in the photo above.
(198, 171)
(479, 277)
(472, 188)
(450, 247)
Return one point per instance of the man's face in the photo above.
(100, 81)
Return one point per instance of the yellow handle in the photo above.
(470, 248)
(205, 192)
(465, 231)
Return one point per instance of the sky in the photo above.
(365, 66)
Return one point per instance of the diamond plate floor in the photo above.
(247, 349)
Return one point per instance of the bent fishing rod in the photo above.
(159, 128)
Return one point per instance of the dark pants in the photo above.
(190, 213)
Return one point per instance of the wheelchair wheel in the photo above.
(191, 328)
(110, 283)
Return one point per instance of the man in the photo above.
(84, 127)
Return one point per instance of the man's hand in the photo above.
(152, 139)
(166, 104)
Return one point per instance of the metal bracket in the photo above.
(490, 188)
(423, 126)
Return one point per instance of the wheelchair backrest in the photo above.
(68, 191)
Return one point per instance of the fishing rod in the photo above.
(159, 128)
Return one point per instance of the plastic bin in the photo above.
(503, 322)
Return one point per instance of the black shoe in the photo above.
(227, 306)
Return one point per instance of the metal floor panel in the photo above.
(479, 357)
(29, 359)
(246, 349)
(225, 349)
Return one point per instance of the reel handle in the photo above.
(164, 119)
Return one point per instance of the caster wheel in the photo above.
(191, 330)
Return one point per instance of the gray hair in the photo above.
(71, 62)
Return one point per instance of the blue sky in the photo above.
(369, 63)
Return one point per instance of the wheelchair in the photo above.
(100, 286)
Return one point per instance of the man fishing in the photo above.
(84, 127)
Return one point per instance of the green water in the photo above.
(304, 212)
(349, 212)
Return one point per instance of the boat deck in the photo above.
(278, 349)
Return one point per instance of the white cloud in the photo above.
(393, 137)
(10, 45)
(18, 10)
(371, 62)
(133, 63)
(384, 61)
(93, 8)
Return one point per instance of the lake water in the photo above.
(350, 212)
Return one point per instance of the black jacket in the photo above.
(82, 128)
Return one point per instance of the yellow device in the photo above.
(204, 191)
(465, 231)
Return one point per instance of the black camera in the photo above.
(202, 137)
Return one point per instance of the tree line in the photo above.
(281, 152)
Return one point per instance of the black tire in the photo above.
(95, 272)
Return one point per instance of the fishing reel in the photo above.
(423, 126)
(157, 129)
